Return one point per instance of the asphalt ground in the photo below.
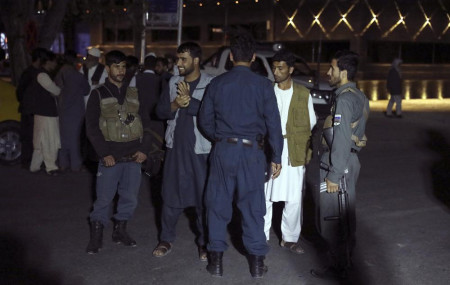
(403, 227)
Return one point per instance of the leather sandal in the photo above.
(162, 249)
(292, 247)
(202, 253)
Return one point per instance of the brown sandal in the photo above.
(292, 247)
(162, 249)
(202, 253)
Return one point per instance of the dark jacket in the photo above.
(24, 90)
(394, 82)
(246, 109)
(44, 104)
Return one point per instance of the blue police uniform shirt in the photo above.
(242, 104)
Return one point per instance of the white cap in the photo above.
(94, 52)
(150, 54)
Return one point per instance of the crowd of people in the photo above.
(235, 139)
(53, 93)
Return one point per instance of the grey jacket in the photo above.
(202, 145)
(349, 108)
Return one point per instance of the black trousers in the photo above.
(26, 138)
(169, 219)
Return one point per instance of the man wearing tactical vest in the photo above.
(344, 133)
(297, 120)
(117, 127)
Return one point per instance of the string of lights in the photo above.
(292, 16)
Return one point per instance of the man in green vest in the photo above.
(297, 120)
(118, 127)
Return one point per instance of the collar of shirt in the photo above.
(345, 86)
(241, 67)
(116, 92)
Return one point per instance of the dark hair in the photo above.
(47, 55)
(114, 56)
(286, 56)
(192, 48)
(70, 57)
(163, 60)
(150, 62)
(347, 60)
(38, 54)
(132, 61)
(242, 47)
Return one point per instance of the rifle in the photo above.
(343, 216)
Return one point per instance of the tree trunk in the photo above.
(52, 23)
(136, 18)
(15, 14)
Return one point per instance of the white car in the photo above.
(321, 92)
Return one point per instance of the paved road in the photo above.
(403, 227)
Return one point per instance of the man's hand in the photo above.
(139, 157)
(183, 97)
(109, 161)
(331, 186)
(276, 170)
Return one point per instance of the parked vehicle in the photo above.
(321, 92)
(10, 146)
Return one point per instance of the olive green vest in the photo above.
(121, 123)
(298, 129)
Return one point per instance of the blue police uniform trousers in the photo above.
(236, 171)
(124, 178)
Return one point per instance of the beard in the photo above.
(186, 70)
(334, 81)
(117, 78)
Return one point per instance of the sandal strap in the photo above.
(164, 245)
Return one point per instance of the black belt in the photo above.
(245, 142)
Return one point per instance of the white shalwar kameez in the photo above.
(288, 186)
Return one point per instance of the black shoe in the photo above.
(214, 266)
(120, 234)
(95, 243)
(257, 267)
(56, 172)
(331, 273)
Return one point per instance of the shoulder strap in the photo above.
(97, 73)
(85, 71)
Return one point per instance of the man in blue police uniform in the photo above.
(239, 108)
(345, 132)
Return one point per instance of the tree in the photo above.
(16, 16)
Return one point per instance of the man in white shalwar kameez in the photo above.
(297, 120)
